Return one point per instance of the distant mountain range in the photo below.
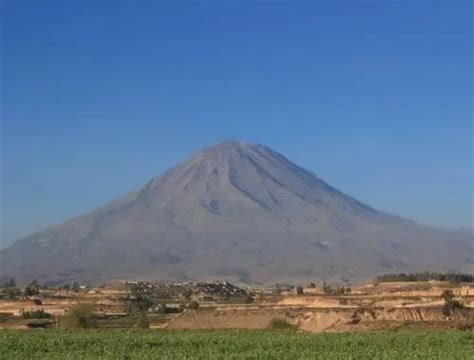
(240, 212)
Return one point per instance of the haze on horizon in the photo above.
(99, 98)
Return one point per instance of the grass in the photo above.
(141, 344)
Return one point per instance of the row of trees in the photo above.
(426, 276)
(331, 289)
(327, 288)
(11, 290)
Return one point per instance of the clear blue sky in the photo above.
(374, 97)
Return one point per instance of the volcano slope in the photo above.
(241, 212)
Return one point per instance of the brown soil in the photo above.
(315, 320)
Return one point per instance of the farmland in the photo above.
(238, 344)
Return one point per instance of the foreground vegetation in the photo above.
(234, 344)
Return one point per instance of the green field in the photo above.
(114, 344)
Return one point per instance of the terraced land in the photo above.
(232, 344)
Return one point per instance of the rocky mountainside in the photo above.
(235, 211)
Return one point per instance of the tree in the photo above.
(139, 301)
(33, 288)
(449, 303)
(10, 283)
(278, 289)
(311, 285)
(327, 288)
(448, 295)
(75, 286)
(299, 290)
(10, 288)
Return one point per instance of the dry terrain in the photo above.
(224, 306)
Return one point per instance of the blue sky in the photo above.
(374, 97)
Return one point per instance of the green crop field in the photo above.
(113, 344)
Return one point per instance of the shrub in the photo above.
(79, 317)
(355, 318)
(299, 290)
(280, 324)
(37, 314)
(248, 299)
(193, 305)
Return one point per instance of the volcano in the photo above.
(240, 212)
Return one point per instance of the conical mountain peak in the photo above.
(234, 210)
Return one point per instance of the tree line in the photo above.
(426, 276)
